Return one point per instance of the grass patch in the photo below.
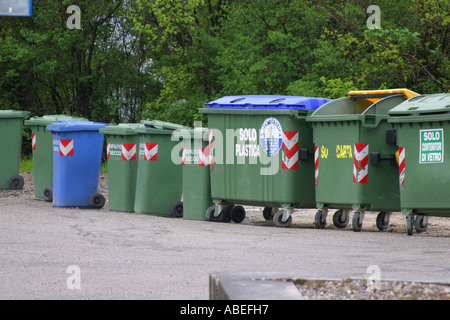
(104, 168)
(26, 165)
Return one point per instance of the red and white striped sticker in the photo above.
(289, 154)
(151, 151)
(66, 148)
(183, 157)
(360, 162)
(33, 141)
(108, 151)
(129, 151)
(210, 148)
(401, 168)
(316, 165)
(205, 158)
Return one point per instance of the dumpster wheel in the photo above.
(383, 221)
(278, 219)
(421, 223)
(177, 209)
(357, 221)
(409, 225)
(340, 219)
(16, 183)
(97, 201)
(269, 212)
(48, 194)
(238, 214)
(320, 219)
(223, 216)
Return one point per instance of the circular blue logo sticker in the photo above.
(271, 136)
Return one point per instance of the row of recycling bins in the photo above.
(378, 151)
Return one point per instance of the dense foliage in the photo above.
(165, 58)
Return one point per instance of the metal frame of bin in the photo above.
(262, 151)
(421, 124)
(355, 167)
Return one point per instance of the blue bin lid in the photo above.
(65, 126)
(267, 102)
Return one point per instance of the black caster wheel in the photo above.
(16, 183)
(48, 194)
(238, 214)
(177, 209)
(340, 219)
(278, 220)
(97, 201)
(320, 219)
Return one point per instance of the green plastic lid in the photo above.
(147, 130)
(49, 119)
(429, 104)
(14, 114)
(158, 124)
(123, 129)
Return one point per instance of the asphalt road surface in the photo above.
(51, 253)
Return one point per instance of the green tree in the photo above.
(101, 71)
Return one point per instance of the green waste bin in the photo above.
(261, 147)
(196, 174)
(122, 155)
(355, 165)
(159, 177)
(42, 149)
(421, 125)
(11, 125)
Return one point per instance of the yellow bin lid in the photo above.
(375, 95)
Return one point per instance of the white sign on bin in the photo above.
(431, 146)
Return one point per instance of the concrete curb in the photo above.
(265, 285)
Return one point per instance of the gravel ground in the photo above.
(347, 289)
(358, 289)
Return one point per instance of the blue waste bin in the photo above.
(77, 157)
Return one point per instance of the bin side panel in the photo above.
(381, 192)
(42, 160)
(10, 149)
(159, 179)
(122, 173)
(76, 170)
(248, 167)
(425, 188)
(335, 142)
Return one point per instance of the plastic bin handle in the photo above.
(375, 158)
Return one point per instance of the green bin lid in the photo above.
(429, 104)
(150, 131)
(49, 119)
(14, 114)
(164, 125)
(122, 129)
(357, 108)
